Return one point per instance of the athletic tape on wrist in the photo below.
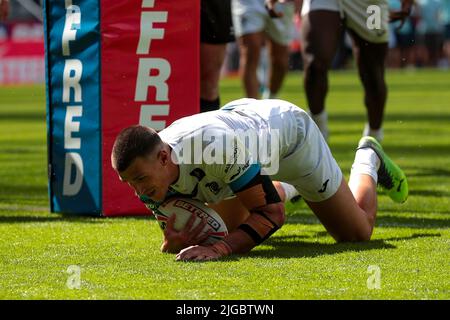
(222, 248)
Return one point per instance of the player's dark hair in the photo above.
(131, 143)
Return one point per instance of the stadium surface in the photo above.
(42, 255)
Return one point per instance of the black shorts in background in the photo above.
(447, 32)
(405, 40)
(216, 26)
(434, 41)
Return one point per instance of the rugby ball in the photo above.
(183, 208)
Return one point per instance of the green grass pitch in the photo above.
(119, 258)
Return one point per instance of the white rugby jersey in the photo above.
(219, 152)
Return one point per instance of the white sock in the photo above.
(376, 133)
(321, 119)
(366, 162)
(268, 95)
(289, 190)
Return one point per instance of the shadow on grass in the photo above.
(407, 222)
(431, 211)
(390, 117)
(429, 193)
(295, 247)
(397, 150)
(405, 87)
(426, 171)
(17, 151)
(414, 236)
(26, 115)
(58, 217)
(384, 221)
(55, 218)
(14, 191)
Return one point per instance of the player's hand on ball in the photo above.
(198, 253)
(175, 240)
(203, 253)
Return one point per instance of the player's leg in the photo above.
(318, 179)
(348, 216)
(370, 59)
(216, 31)
(447, 43)
(250, 48)
(350, 213)
(279, 63)
(279, 32)
(321, 32)
(211, 57)
(347, 212)
(371, 46)
(248, 25)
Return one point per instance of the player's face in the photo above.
(147, 176)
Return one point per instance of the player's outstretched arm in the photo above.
(261, 224)
(267, 215)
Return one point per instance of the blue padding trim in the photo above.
(86, 49)
(248, 175)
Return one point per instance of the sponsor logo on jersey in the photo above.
(213, 186)
(198, 173)
(239, 169)
(324, 186)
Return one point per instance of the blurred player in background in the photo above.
(238, 182)
(402, 40)
(216, 31)
(254, 28)
(323, 24)
(430, 31)
(446, 19)
(4, 9)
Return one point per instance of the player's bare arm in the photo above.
(267, 215)
(402, 14)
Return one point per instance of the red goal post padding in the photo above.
(111, 64)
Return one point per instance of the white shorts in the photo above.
(355, 13)
(310, 167)
(250, 16)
